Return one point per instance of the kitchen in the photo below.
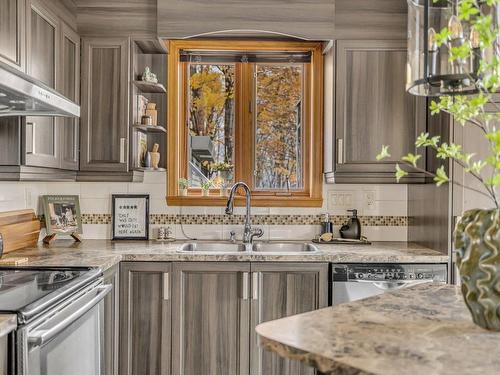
(179, 178)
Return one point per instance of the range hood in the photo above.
(22, 95)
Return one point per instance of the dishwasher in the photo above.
(351, 282)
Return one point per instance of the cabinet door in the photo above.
(280, 290)
(12, 32)
(373, 108)
(104, 121)
(210, 318)
(41, 133)
(111, 322)
(145, 318)
(69, 87)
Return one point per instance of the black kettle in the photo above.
(352, 229)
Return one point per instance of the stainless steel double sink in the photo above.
(256, 247)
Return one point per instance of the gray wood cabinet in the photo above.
(373, 109)
(145, 318)
(42, 133)
(211, 318)
(306, 19)
(70, 87)
(104, 125)
(111, 322)
(12, 33)
(280, 290)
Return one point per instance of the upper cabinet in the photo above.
(312, 20)
(69, 86)
(39, 147)
(42, 133)
(105, 96)
(12, 32)
(372, 109)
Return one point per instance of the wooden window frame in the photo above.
(311, 194)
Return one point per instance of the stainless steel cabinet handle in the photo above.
(122, 150)
(255, 285)
(43, 335)
(31, 149)
(166, 286)
(340, 151)
(244, 286)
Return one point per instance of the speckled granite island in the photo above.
(105, 254)
(425, 329)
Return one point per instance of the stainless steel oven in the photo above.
(67, 339)
(59, 315)
(351, 282)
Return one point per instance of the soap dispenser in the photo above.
(352, 229)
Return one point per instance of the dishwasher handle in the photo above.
(41, 336)
(394, 284)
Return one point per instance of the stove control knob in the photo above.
(420, 276)
(360, 275)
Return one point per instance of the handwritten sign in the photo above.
(130, 217)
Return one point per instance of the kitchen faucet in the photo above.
(248, 233)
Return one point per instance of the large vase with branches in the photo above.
(477, 232)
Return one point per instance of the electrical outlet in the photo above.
(339, 201)
(369, 199)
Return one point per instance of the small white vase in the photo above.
(184, 192)
(205, 193)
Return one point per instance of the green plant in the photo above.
(183, 183)
(468, 110)
(207, 184)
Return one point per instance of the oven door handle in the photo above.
(394, 284)
(39, 337)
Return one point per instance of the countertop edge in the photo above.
(323, 364)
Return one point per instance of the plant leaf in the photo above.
(400, 173)
(441, 176)
(384, 153)
(410, 158)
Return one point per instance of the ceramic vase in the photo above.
(477, 242)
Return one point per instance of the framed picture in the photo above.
(130, 216)
(62, 214)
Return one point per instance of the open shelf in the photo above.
(150, 128)
(144, 169)
(150, 87)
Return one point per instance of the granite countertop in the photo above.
(425, 329)
(104, 254)
(8, 323)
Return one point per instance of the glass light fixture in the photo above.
(429, 70)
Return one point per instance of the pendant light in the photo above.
(429, 70)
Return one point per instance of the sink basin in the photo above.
(215, 247)
(283, 247)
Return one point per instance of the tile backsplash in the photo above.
(382, 209)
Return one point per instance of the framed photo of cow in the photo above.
(62, 216)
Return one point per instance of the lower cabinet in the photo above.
(210, 320)
(280, 290)
(211, 310)
(145, 318)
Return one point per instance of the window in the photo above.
(245, 111)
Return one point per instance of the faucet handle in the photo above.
(257, 232)
(232, 236)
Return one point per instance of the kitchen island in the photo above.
(425, 329)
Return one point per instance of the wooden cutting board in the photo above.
(19, 229)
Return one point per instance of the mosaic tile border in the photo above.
(204, 219)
